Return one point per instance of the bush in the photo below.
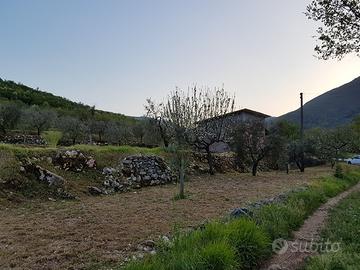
(339, 171)
(251, 242)
(218, 256)
(278, 220)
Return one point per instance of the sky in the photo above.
(116, 54)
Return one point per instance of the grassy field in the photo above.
(100, 231)
(344, 228)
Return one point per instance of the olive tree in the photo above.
(355, 128)
(9, 117)
(340, 33)
(72, 128)
(252, 144)
(139, 131)
(331, 144)
(38, 118)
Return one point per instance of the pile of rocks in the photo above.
(22, 139)
(115, 182)
(74, 160)
(146, 170)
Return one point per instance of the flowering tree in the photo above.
(193, 120)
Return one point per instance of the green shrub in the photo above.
(251, 242)
(218, 256)
(278, 220)
(339, 171)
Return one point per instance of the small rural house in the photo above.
(237, 117)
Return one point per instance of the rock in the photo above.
(22, 139)
(43, 175)
(74, 160)
(240, 212)
(95, 191)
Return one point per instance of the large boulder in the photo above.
(74, 160)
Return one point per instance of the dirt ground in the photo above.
(100, 231)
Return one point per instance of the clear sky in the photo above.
(115, 54)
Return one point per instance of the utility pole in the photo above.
(302, 169)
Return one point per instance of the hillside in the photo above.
(333, 108)
(24, 95)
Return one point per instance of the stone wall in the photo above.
(22, 139)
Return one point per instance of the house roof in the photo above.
(248, 111)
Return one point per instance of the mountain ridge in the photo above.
(333, 108)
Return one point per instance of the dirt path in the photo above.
(102, 230)
(293, 254)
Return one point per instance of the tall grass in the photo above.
(52, 137)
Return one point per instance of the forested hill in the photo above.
(24, 95)
(334, 108)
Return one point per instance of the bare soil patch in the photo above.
(102, 230)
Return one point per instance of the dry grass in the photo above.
(101, 230)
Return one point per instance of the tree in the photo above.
(340, 33)
(252, 144)
(215, 127)
(40, 119)
(331, 144)
(72, 128)
(139, 131)
(9, 117)
(98, 128)
(117, 133)
(355, 128)
(155, 114)
(186, 115)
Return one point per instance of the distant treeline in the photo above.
(25, 109)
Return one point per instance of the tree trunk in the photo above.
(74, 141)
(333, 164)
(210, 161)
(254, 168)
(182, 178)
(298, 165)
(38, 131)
